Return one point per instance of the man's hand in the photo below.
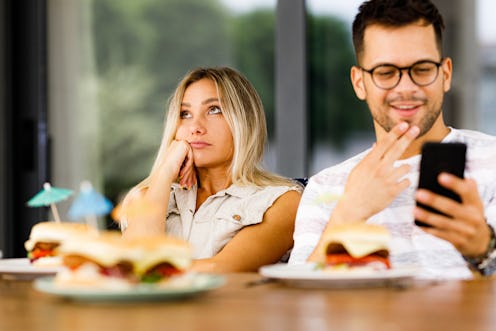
(465, 225)
(374, 183)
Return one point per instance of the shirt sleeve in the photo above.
(489, 267)
(480, 163)
(313, 213)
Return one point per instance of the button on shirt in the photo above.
(220, 217)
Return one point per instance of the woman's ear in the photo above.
(356, 75)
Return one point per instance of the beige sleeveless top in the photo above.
(220, 217)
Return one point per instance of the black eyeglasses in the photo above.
(388, 76)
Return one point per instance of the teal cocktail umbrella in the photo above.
(49, 196)
(89, 204)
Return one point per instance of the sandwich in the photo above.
(108, 261)
(46, 237)
(357, 246)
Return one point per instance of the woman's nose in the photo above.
(197, 127)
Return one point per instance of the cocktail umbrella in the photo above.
(89, 204)
(50, 196)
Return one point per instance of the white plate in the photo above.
(198, 283)
(22, 267)
(309, 276)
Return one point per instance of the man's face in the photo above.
(402, 47)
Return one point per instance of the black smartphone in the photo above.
(437, 158)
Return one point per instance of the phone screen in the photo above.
(437, 158)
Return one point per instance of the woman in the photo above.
(208, 182)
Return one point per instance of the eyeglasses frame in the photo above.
(401, 69)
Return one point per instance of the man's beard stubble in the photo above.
(425, 124)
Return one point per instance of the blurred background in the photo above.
(86, 82)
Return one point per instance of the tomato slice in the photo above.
(39, 253)
(167, 269)
(343, 258)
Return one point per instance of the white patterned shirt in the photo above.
(433, 257)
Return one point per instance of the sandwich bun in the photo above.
(157, 249)
(46, 237)
(53, 232)
(359, 239)
(357, 245)
(109, 248)
(90, 259)
(108, 261)
(105, 248)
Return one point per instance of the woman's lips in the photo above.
(199, 144)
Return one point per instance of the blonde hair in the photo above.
(243, 111)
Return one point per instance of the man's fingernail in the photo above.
(414, 130)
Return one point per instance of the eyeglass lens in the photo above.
(388, 76)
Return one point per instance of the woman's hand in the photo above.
(178, 165)
(187, 173)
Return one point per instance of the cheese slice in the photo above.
(360, 239)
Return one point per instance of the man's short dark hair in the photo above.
(395, 13)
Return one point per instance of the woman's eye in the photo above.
(184, 114)
(214, 110)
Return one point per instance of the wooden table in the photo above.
(240, 305)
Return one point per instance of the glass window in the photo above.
(114, 64)
(340, 124)
(486, 29)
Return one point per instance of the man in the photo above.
(402, 75)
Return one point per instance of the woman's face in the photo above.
(203, 126)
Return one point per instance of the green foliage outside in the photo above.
(253, 43)
(335, 111)
(143, 48)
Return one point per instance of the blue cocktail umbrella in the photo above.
(89, 204)
(49, 196)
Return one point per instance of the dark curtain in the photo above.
(25, 145)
